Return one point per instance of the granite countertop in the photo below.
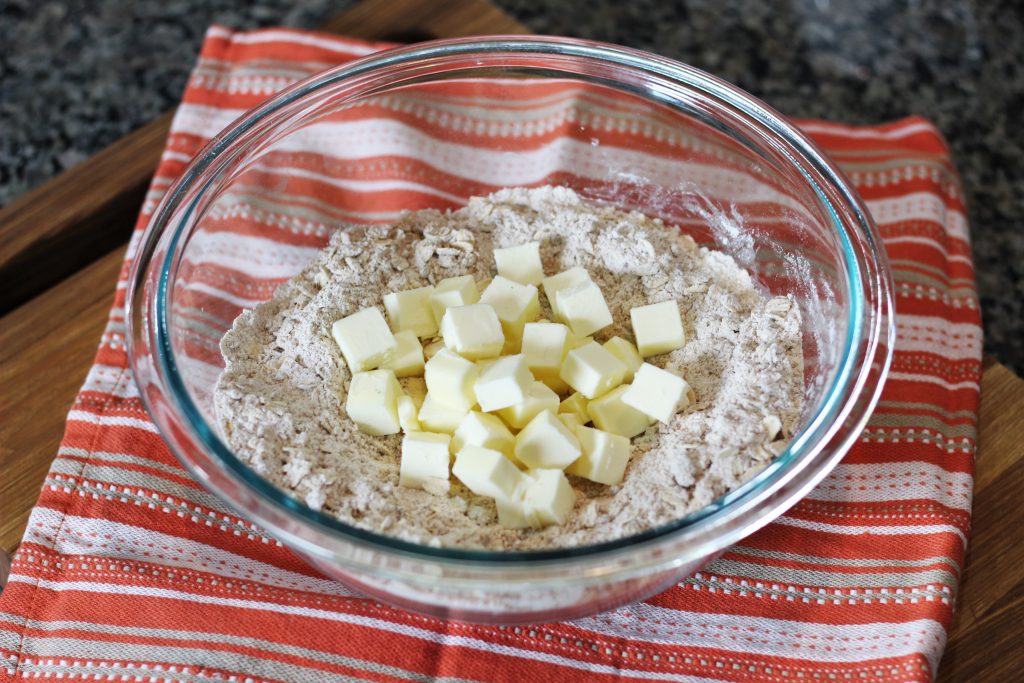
(75, 75)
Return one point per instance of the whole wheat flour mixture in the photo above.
(280, 400)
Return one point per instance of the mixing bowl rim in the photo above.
(809, 444)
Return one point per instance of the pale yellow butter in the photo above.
(546, 442)
(512, 514)
(520, 263)
(583, 308)
(658, 328)
(408, 358)
(486, 431)
(450, 379)
(657, 393)
(365, 340)
(372, 402)
(612, 415)
(576, 404)
(487, 472)
(516, 304)
(554, 283)
(570, 420)
(604, 457)
(431, 348)
(576, 342)
(553, 380)
(485, 363)
(450, 292)
(549, 497)
(436, 416)
(513, 345)
(416, 389)
(545, 345)
(473, 331)
(410, 310)
(491, 353)
(546, 498)
(408, 414)
(504, 383)
(592, 370)
(538, 398)
(424, 463)
(627, 353)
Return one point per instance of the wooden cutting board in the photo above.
(61, 247)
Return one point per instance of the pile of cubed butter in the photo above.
(494, 380)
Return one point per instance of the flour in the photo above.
(280, 400)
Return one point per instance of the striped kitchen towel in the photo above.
(855, 582)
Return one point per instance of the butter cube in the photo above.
(538, 399)
(372, 402)
(612, 415)
(365, 340)
(548, 498)
(553, 380)
(504, 383)
(583, 308)
(487, 472)
(416, 389)
(408, 358)
(473, 331)
(576, 342)
(627, 353)
(570, 420)
(407, 414)
(485, 363)
(657, 393)
(486, 431)
(546, 442)
(545, 345)
(576, 405)
(592, 370)
(452, 291)
(552, 377)
(513, 345)
(437, 416)
(431, 349)
(424, 463)
(512, 515)
(554, 283)
(604, 456)
(410, 310)
(514, 303)
(450, 379)
(658, 328)
(521, 263)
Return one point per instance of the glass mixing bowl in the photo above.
(429, 125)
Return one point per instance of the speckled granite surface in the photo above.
(77, 74)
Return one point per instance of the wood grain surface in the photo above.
(46, 348)
(986, 642)
(47, 345)
(78, 216)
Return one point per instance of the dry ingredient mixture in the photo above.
(280, 400)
